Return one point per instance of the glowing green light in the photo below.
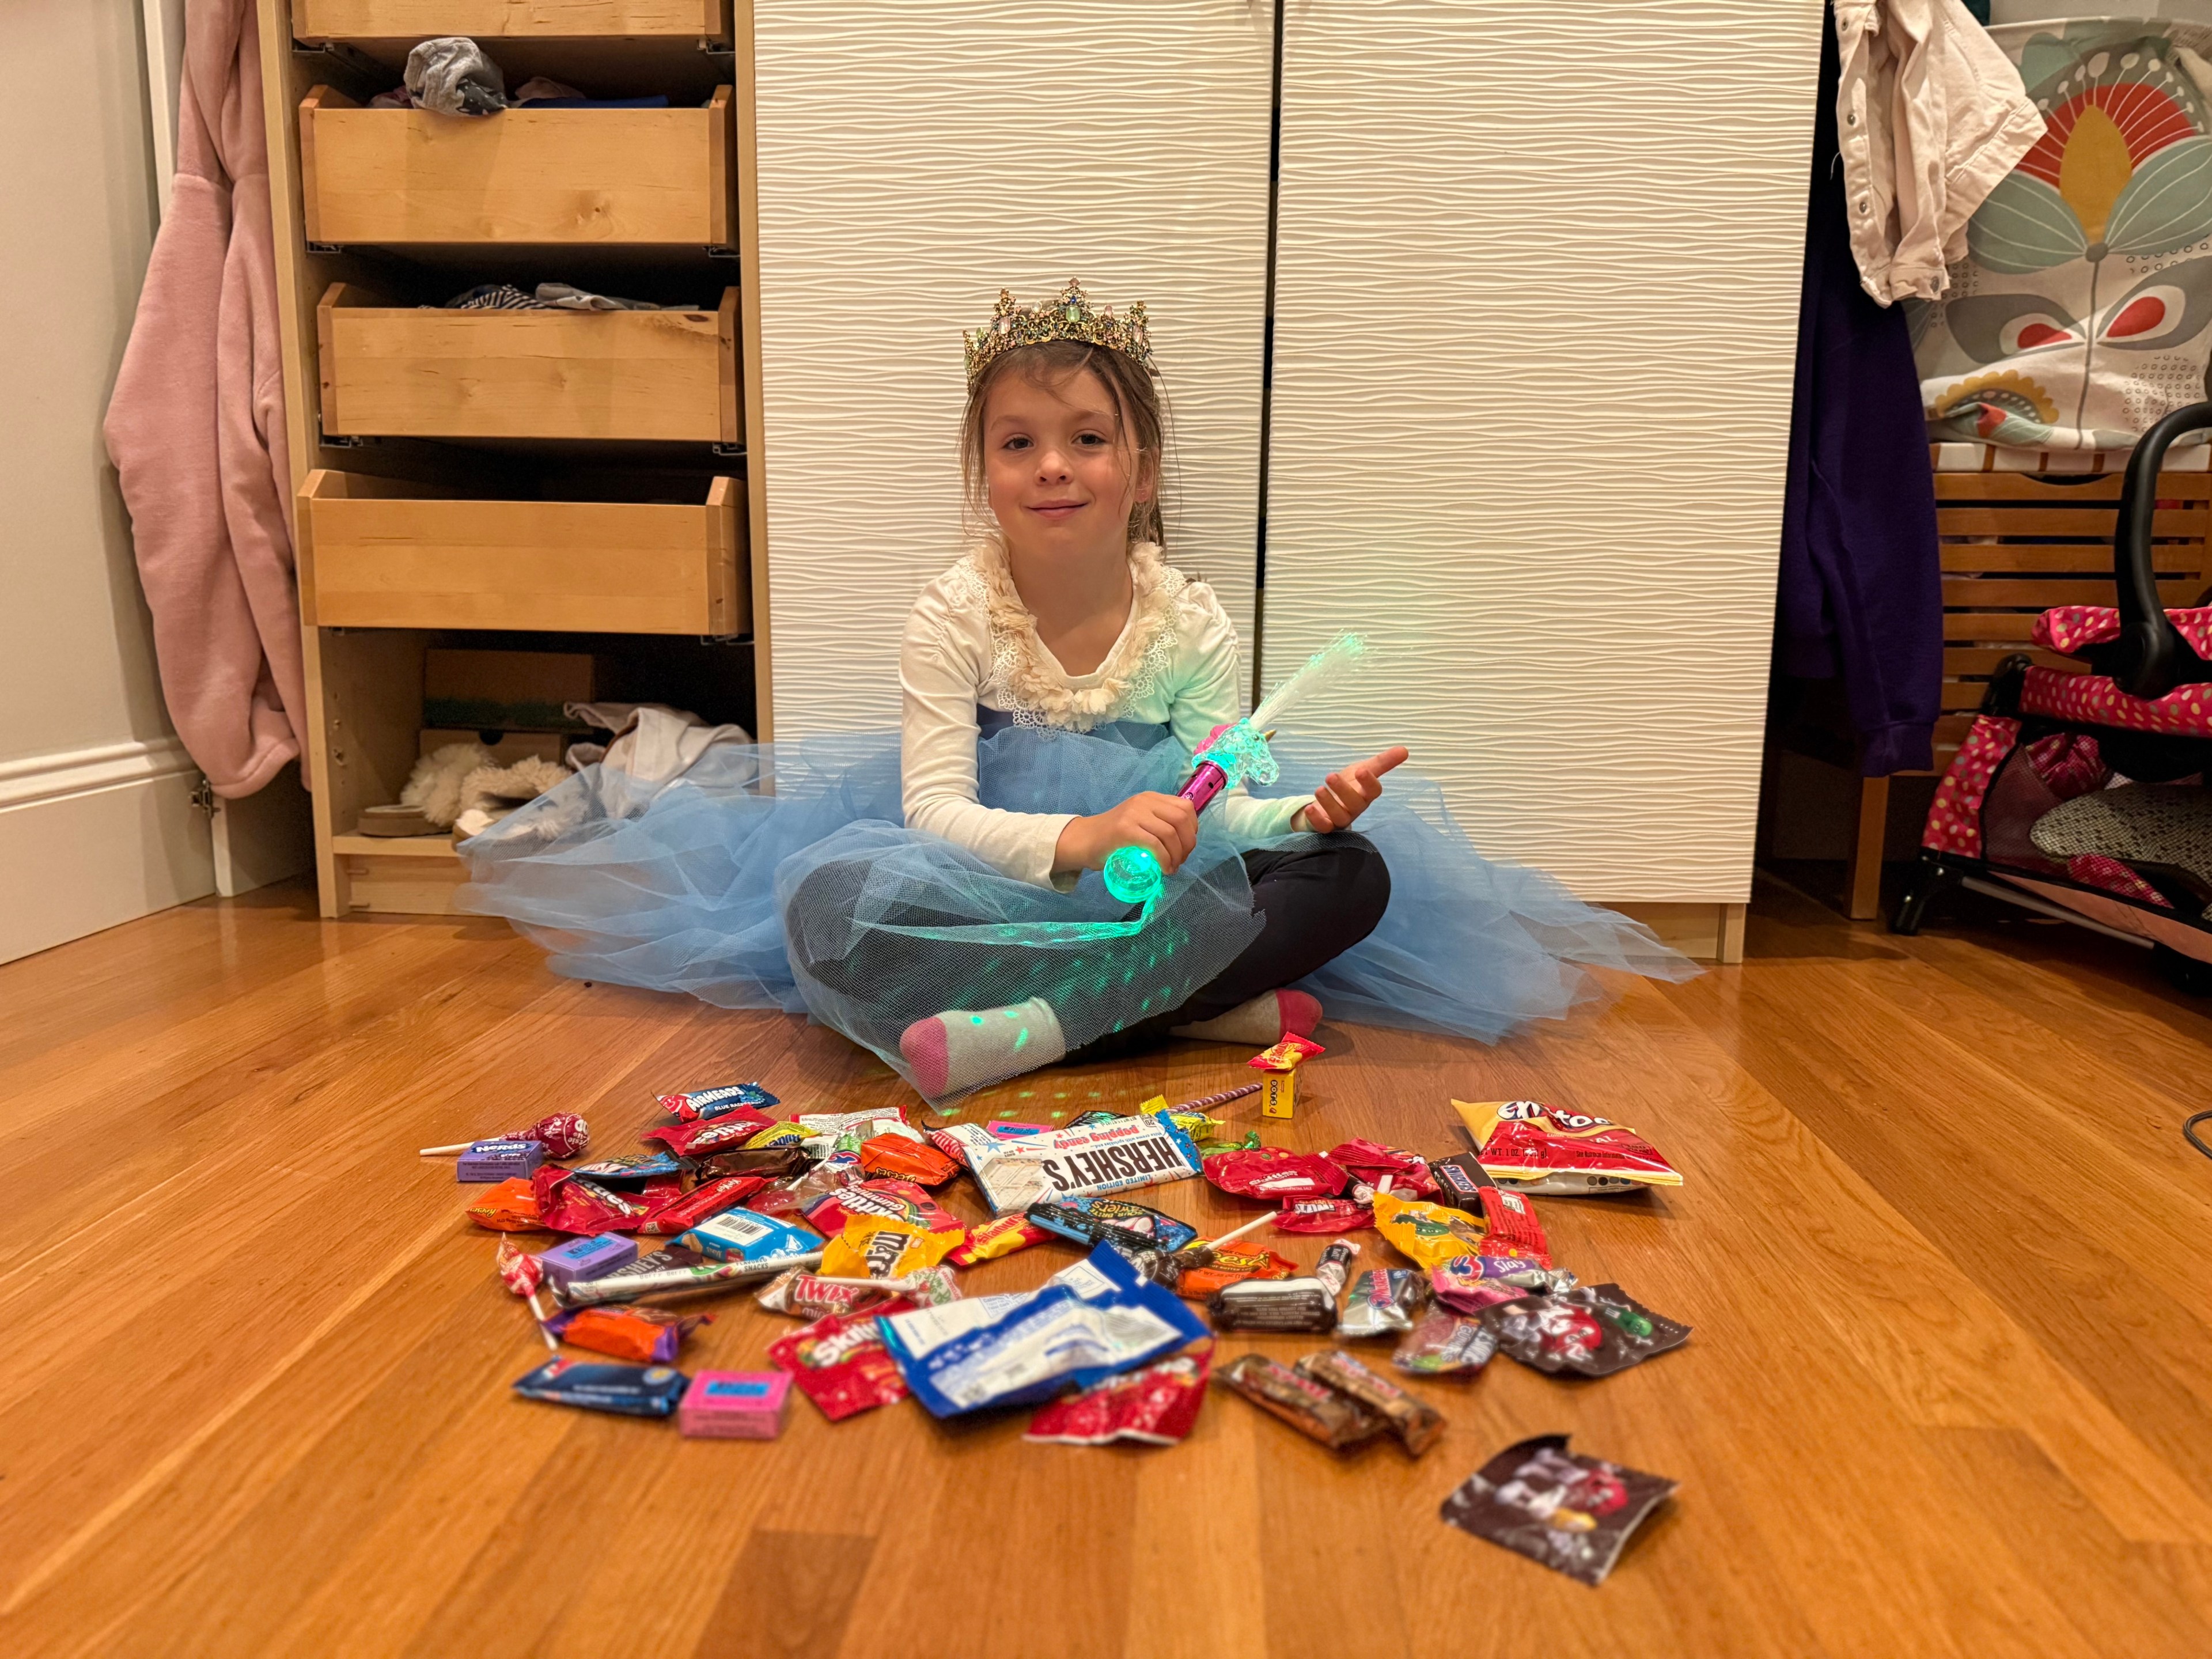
(1023, 1040)
(1026, 1093)
(1133, 875)
(975, 1019)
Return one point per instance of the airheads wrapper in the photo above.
(1569, 1512)
(1154, 1407)
(1542, 1149)
(1429, 1233)
(632, 1390)
(696, 1104)
(1114, 1156)
(743, 1236)
(1271, 1173)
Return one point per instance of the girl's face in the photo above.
(1059, 480)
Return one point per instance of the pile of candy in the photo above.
(834, 1220)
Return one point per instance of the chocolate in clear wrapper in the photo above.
(1383, 1300)
(1592, 1329)
(1273, 1304)
(1335, 1266)
(1569, 1512)
(1316, 1412)
(1445, 1345)
(1416, 1425)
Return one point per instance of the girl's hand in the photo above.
(1343, 796)
(1166, 826)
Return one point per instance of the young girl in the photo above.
(938, 905)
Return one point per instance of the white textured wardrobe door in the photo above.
(914, 159)
(1535, 323)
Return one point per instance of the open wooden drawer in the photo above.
(425, 373)
(378, 552)
(540, 176)
(493, 20)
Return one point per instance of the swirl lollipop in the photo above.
(563, 1135)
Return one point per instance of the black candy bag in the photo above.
(1592, 1329)
(1571, 1513)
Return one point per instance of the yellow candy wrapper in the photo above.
(1430, 1234)
(779, 1134)
(884, 1246)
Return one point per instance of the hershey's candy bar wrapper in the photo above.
(1110, 1157)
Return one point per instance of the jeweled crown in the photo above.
(1071, 317)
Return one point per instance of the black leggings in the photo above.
(1315, 902)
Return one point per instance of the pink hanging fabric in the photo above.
(195, 427)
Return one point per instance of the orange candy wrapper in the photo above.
(509, 1207)
(1231, 1267)
(911, 1160)
(884, 1246)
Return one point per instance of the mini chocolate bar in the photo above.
(1383, 1301)
(1337, 1420)
(706, 1276)
(1416, 1425)
(499, 1160)
(1460, 1179)
(631, 1390)
(1273, 1304)
(1335, 1266)
(591, 1257)
(734, 1406)
(628, 1169)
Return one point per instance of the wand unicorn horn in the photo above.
(1234, 754)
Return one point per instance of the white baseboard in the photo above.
(95, 837)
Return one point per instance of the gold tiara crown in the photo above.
(1071, 317)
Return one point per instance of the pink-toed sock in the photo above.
(1266, 1019)
(962, 1048)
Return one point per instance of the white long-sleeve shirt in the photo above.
(972, 647)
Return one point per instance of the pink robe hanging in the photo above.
(196, 428)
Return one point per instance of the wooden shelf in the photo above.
(317, 21)
(378, 552)
(426, 372)
(439, 848)
(549, 176)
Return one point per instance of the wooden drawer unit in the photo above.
(411, 876)
(494, 20)
(422, 373)
(381, 553)
(539, 176)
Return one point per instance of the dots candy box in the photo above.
(499, 1160)
(734, 1405)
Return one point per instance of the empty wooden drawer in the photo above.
(492, 19)
(426, 373)
(388, 553)
(542, 176)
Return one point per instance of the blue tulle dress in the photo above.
(781, 876)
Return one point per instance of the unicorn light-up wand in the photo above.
(1234, 754)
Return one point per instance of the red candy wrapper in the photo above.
(1324, 1215)
(708, 1199)
(1156, 1406)
(840, 1363)
(1542, 1149)
(509, 1207)
(1232, 1267)
(518, 1270)
(1368, 1161)
(1511, 1228)
(704, 1137)
(1271, 1173)
(990, 1240)
(900, 1199)
(1287, 1056)
(896, 1155)
(571, 1204)
(563, 1135)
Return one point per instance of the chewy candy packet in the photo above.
(742, 1235)
(993, 1239)
(734, 1406)
(1271, 1173)
(632, 1390)
(708, 1198)
(1472, 1283)
(1569, 1512)
(1325, 1215)
(509, 1207)
(1542, 1149)
(1154, 1407)
(1594, 1329)
(649, 1335)
(829, 1213)
(1318, 1413)
(1430, 1234)
(1510, 1227)
(839, 1362)
(1383, 1300)
(884, 1246)
(1445, 1345)
(576, 1204)
(1416, 1425)
(486, 1161)
(1370, 1162)
(701, 1138)
(1110, 1157)
(696, 1103)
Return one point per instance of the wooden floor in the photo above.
(1950, 1391)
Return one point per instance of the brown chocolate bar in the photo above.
(1320, 1413)
(1416, 1425)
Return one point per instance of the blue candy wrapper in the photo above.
(743, 1236)
(1093, 1321)
(701, 1104)
(631, 1390)
(1164, 1231)
(630, 1167)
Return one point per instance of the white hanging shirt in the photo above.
(972, 646)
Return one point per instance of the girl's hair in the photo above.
(1141, 420)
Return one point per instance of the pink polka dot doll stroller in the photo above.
(2082, 795)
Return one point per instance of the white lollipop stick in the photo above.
(1226, 1239)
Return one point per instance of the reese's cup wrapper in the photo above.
(511, 1206)
(1574, 1514)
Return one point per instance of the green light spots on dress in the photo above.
(975, 1019)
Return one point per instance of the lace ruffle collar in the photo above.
(1031, 686)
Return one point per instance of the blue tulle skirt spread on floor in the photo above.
(781, 876)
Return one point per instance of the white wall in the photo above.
(1536, 311)
(915, 157)
(96, 821)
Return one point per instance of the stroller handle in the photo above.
(2150, 658)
